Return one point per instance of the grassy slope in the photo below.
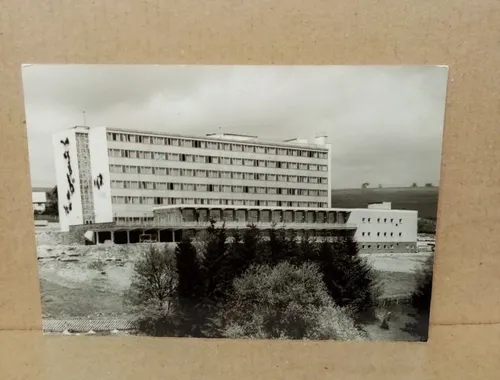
(423, 199)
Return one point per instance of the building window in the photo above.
(363, 220)
(400, 234)
(378, 233)
(378, 220)
(363, 234)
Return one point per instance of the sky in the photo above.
(385, 123)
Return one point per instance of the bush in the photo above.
(284, 302)
(421, 298)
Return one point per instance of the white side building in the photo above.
(39, 200)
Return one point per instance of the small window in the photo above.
(400, 234)
(363, 234)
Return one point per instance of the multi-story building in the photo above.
(117, 181)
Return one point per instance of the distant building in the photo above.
(121, 183)
(39, 200)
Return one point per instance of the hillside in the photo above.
(422, 199)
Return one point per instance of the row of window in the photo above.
(381, 220)
(124, 153)
(131, 169)
(164, 186)
(212, 201)
(227, 146)
(378, 233)
(379, 246)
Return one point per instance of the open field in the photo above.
(422, 199)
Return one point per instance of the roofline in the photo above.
(252, 141)
(280, 208)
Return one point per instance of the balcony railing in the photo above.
(236, 224)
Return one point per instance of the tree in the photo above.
(421, 298)
(188, 270)
(414, 184)
(307, 249)
(284, 301)
(350, 280)
(214, 256)
(190, 290)
(365, 185)
(152, 291)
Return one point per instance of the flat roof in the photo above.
(277, 208)
(251, 140)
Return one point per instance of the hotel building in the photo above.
(121, 184)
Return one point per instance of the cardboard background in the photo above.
(465, 334)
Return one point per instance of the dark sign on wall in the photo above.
(69, 177)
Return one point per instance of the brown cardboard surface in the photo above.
(466, 304)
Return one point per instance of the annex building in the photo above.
(123, 184)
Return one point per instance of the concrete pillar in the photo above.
(97, 237)
(113, 237)
(173, 236)
(128, 237)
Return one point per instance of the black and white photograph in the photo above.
(235, 202)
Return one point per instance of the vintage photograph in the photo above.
(246, 202)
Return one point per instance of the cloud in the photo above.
(384, 123)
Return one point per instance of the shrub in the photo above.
(421, 298)
(284, 301)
